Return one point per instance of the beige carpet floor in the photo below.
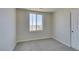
(42, 45)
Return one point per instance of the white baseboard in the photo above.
(61, 41)
(31, 39)
(41, 39)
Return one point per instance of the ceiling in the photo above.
(43, 9)
(47, 9)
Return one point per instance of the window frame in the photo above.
(36, 22)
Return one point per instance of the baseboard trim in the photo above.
(61, 41)
(43, 39)
(24, 40)
(31, 40)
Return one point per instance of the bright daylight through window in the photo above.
(35, 22)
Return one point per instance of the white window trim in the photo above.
(36, 22)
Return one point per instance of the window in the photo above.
(35, 22)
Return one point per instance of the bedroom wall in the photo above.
(22, 26)
(61, 26)
(7, 29)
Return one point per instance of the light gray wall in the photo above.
(75, 28)
(7, 28)
(23, 33)
(61, 26)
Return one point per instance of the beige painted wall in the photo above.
(7, 29)
(22, 22)
(61, 26)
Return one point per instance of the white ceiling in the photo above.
(46, 9)
(43, 9)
